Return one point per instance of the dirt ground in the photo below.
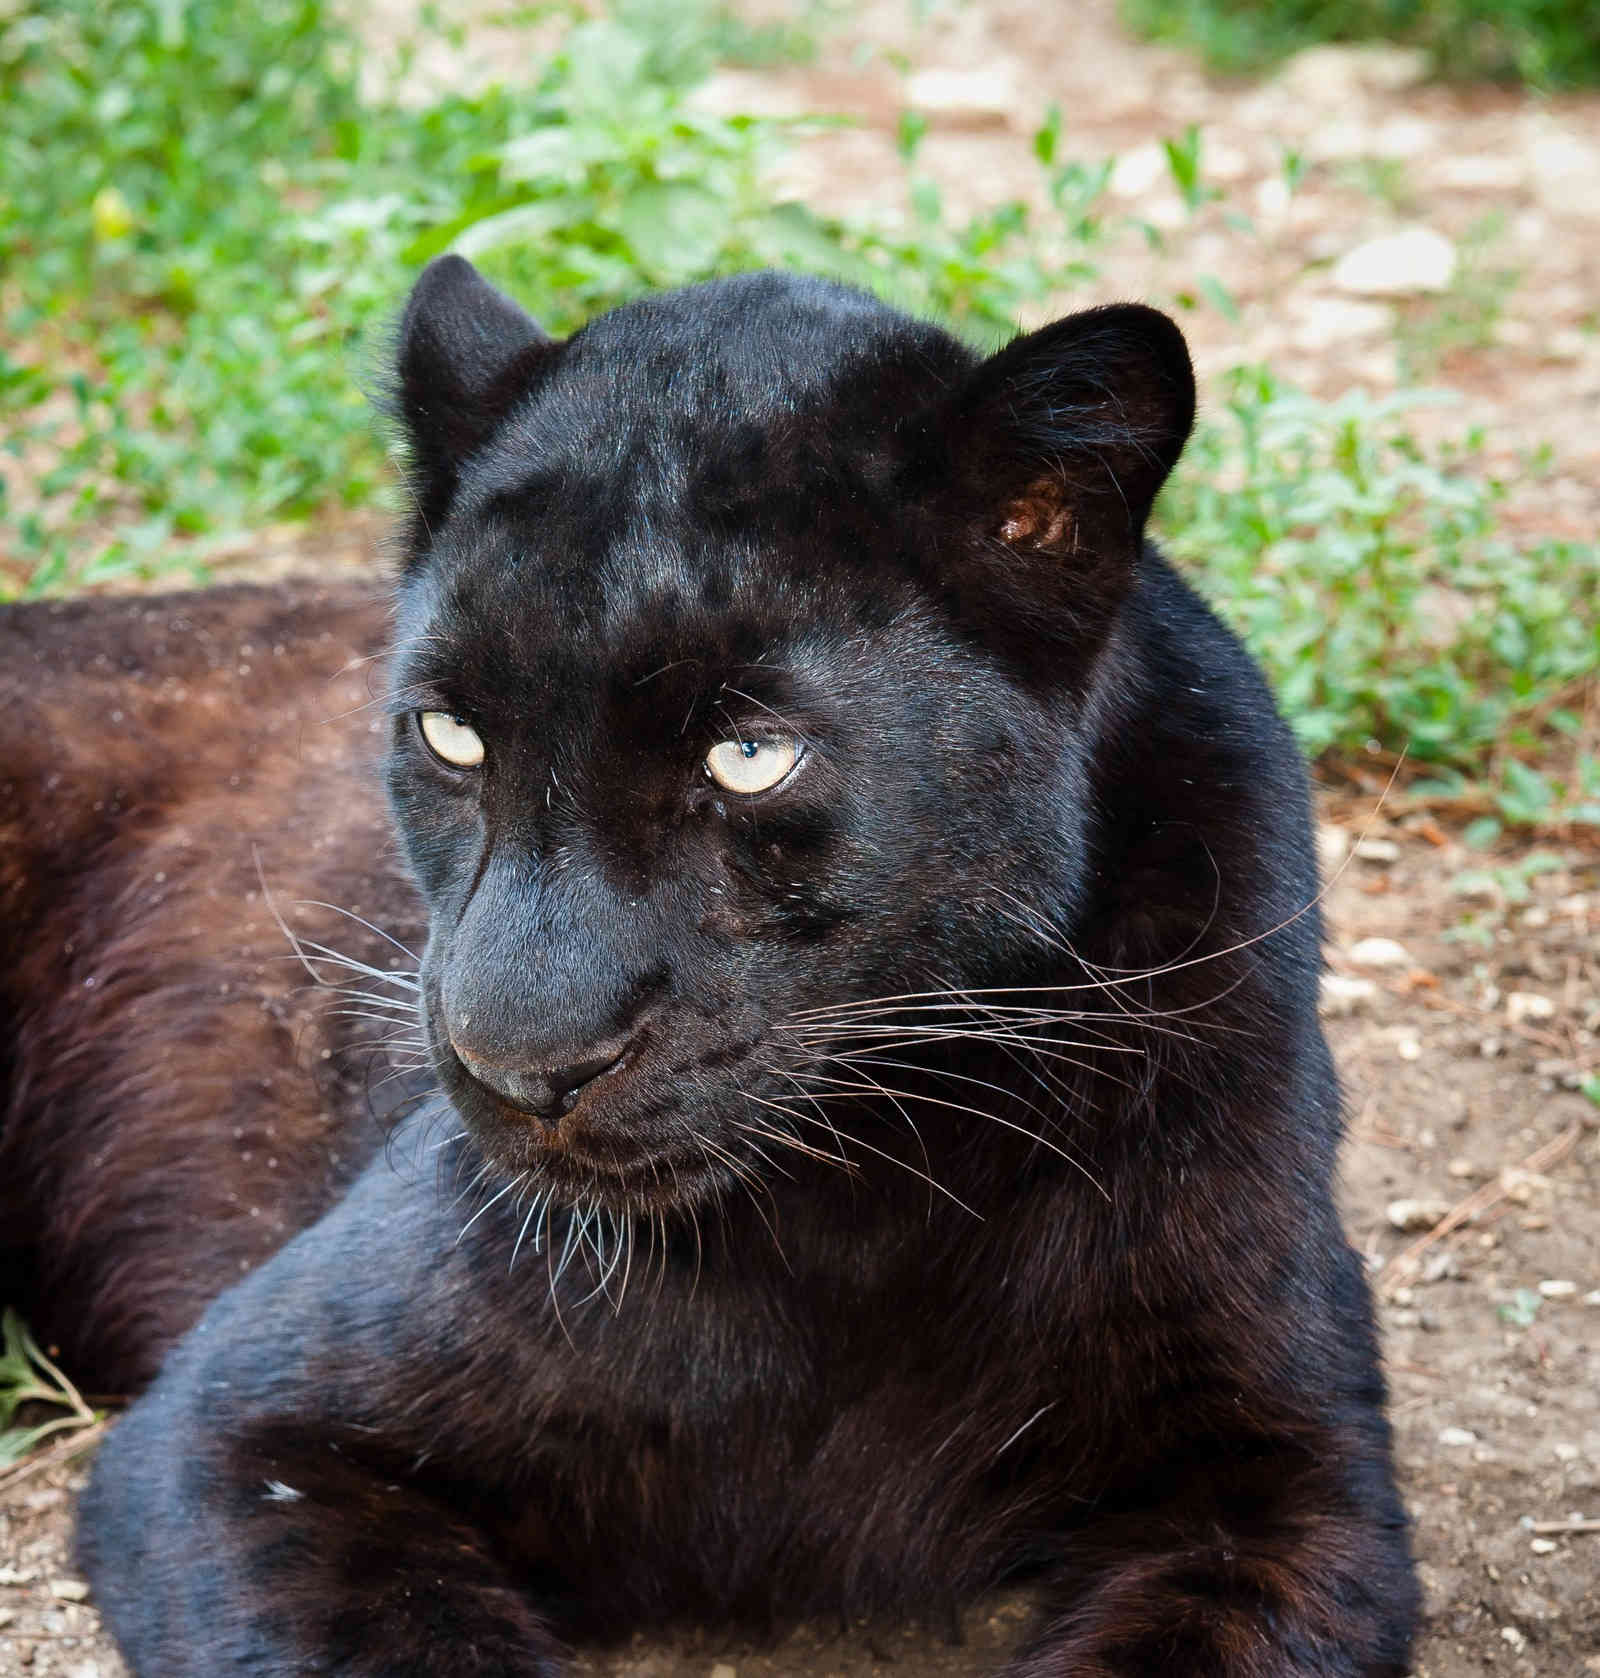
(1465, 1035)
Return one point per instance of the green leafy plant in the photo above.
(1184, 165)
(205, 232)
(1371, 580)
(27, 1376)
(1522, 1309)
(1509, 884)
(153, 274)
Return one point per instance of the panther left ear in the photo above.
(1054, 450)
(466, 352)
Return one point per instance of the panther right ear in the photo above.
(1045, 461)
(466, 351)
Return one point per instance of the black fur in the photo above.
(879, 1186)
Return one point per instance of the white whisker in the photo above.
(515, 1182)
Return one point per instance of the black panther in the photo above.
(860, 1126)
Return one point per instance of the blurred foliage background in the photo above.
(1548, 44)
(206, 227)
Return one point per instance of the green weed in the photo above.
(1386, 179)
(1509, 884)
(174, 339)
(203, 233)
(1522, 1309)
(1371, 581)
(27, 1376)
(1464, 316)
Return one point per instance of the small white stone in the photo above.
(1558, 1288)
(1333, 846)
(1418, 1214)
(1528, 1005)
(1379, 952)
(1222, 162)
(1543, 1546)
(1408, 1048)
(1565, 1451)
(1479, 172)
(1560, 156)
(1272, 198)
(1332, 75)
(1514, 1638)
(1338, 140)
(1592, 1298)
(1440, 1267)
(984, 95)
(1418, 259)
(1517, 335)
(1341, 995)
(1139, 171)
(732, 93)
(1322, 323)
(1457, 1437)
(69, 1590)
(1377, 850)
(1521, 1186)
(1402, 137)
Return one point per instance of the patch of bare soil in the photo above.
(1464, 1045)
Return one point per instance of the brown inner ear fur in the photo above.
(1040, 517)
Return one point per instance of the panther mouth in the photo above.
(637, 1124)
(623, 1142)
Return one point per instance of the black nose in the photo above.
(545, 1091)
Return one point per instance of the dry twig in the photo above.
(64, 1450)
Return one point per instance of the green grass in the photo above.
(1544, 43)
(204, 234)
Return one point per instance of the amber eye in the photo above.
(751, 765)
(450, 739)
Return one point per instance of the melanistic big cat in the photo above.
(881, 1139)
